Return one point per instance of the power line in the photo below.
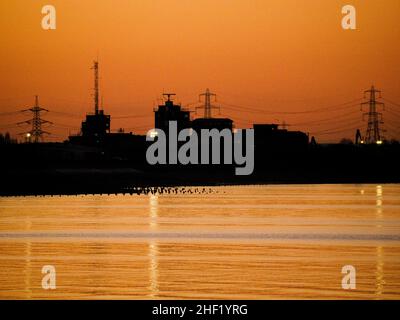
(66, 114)
(393, 112)
(314, 122)
(9, 126)
(335, 132)
(132, 116)
(351, 126)
(327, 119)
(256, 110)
(392, 126)
(65, 126)
(392, 102)
(11, 113)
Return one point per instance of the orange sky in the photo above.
(280, 55)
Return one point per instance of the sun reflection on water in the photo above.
(153, 246)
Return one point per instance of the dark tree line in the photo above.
(6, 138)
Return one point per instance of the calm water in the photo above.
(248, 242)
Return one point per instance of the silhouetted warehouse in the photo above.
(171, 112)
(271, 137)
(93, 130)
(212, 123)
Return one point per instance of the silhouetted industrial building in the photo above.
(93, 130)
(269, 136)
(171, 112)
(212, 123)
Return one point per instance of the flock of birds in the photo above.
(169, 190)
(143, 191)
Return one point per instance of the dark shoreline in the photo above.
(106, 182)
(64, 169)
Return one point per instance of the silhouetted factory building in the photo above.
(171, 112)
(93, 130)
(269, 136)
(212, 123)
(96, 124)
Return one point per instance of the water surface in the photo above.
(245, 242)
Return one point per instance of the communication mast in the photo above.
(375, 118)
(96, 86)
(36, 133)
(207, 106)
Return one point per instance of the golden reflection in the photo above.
(379, 250)
(379, 203)
(379, 270)
(153, 212)
(125, 264)
(379, 191)
(153, 247)
(28, 266)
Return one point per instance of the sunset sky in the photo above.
(272, 55)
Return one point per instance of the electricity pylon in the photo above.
(207, 106)
(36, 133)
(375, 118)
